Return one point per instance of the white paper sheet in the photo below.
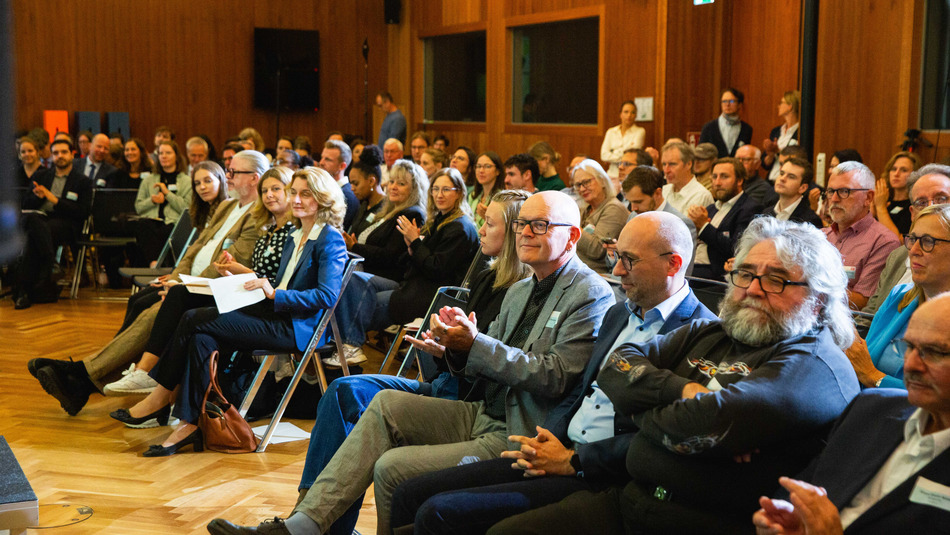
(284, 432)
(196, 285)
(229, 293)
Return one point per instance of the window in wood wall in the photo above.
(455, 77)
(554, 75)
(935, 93)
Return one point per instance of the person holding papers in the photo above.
(274, 212)
(308, 281)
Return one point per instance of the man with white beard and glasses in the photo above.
(724, 408)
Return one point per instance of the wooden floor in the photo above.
(91, 460)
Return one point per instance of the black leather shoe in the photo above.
(219, 526)
(22, 302)
(157, 450)
(157, 418)
(63, 367)
(68, 390)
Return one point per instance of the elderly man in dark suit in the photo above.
(720, 224)
(533, 354)
(54, 213)
(886, 468)
(584, 436)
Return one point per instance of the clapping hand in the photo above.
(452, 329)
(408, 228)
(698, 215)
(809, 513)
(350, 240)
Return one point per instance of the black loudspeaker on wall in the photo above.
(391, 8)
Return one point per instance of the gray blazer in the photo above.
(558, 348)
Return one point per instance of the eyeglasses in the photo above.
(928, 355)
(538, 226)
(730, 101)
(772, 284)
(920, 204)
(843, 193)
(436, 190)
(629, 261)
(231, 172)
(484, 166)
(927, 242)
(626, 164)
(583, 184)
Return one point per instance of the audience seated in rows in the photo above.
(585, 436)
(418, 143)
(233, 229)
(364, 179)
(533, 353)
(762, 386)
(437, 254)
(755, 186)
(309, 281)
(163, 196)
(273, 213)
(794, 179)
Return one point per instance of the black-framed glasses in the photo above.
(628, 261)
(928, 355)
(772, 284)
(843, 193)
(231, 172)
(446, 190)
(538, 226)
(920, 204)
(927, 242)
(484, 167)
(583, 184)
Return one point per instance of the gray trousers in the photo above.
(401, 435)
(127, 347)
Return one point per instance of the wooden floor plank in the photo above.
(94, 461)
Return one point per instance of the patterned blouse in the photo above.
(268, 251)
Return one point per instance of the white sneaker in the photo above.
(354, 356)
(133, 381)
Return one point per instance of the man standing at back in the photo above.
(534, 351)
(394, 125)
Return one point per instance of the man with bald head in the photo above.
(584, 436)
(95, 165)
(530, 359)
(886, 465)
(755, 186)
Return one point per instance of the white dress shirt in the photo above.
(206, 255)
(298, 249)
(693, 193)
(722, 210)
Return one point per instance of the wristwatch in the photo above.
(576, 465)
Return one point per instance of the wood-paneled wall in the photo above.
(189, 64)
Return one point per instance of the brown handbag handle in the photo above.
(213, 383)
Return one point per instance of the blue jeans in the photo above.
(364, 306)
(337, 412)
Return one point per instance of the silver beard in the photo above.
(741, 321)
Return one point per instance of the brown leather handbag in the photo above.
(221, 424)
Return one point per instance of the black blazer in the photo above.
(385, 250)
(104, 172)
(441, 259)
(802, 214)
(721, 241)
(360, 222)
(605, 459)
(711, 134)
(75, 202)
(860, 443)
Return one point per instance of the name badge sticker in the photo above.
(173, 187)
(72, 196)
(927, 492)
(552, 321)
(850, 272)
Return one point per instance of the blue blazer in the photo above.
(606, 458)
(862, 440)
(721, 241)
(315, 283)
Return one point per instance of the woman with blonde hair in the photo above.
(380, 243)
(432, 160)
(309, 279)
(438, 254)
(782, 135)
(547, 158)
(892, 193)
